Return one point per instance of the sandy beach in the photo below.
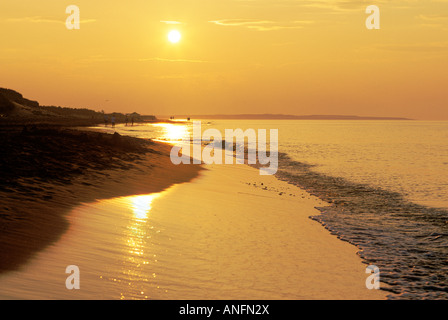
(144, 232)
(48, 171)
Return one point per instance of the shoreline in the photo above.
(357, 213)
(250, 207)
(250, 239)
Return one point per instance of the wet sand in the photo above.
(228, 234)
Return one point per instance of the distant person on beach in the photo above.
(127, 120)
(106, 121)
(113, 121)
(132, 120)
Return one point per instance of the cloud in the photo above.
(261, 25)
(433, 17)
(171, 60)
(101, 58)
(416, 47)
(170, 22)
(439, 21)
(39, 19)
(338, 5)
(333, 5)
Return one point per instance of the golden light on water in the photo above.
(138, 229)
(173, 132)
(138, 237)
(141, 205)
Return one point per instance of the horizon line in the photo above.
(280, 116)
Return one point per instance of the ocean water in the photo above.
(386, 182)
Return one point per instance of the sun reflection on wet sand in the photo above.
(141, 205)
(138, 234)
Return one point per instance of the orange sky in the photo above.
(235, 56)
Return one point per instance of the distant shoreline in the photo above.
(286, 117)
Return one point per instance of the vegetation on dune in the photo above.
(15, 108)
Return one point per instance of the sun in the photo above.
(174, 36)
